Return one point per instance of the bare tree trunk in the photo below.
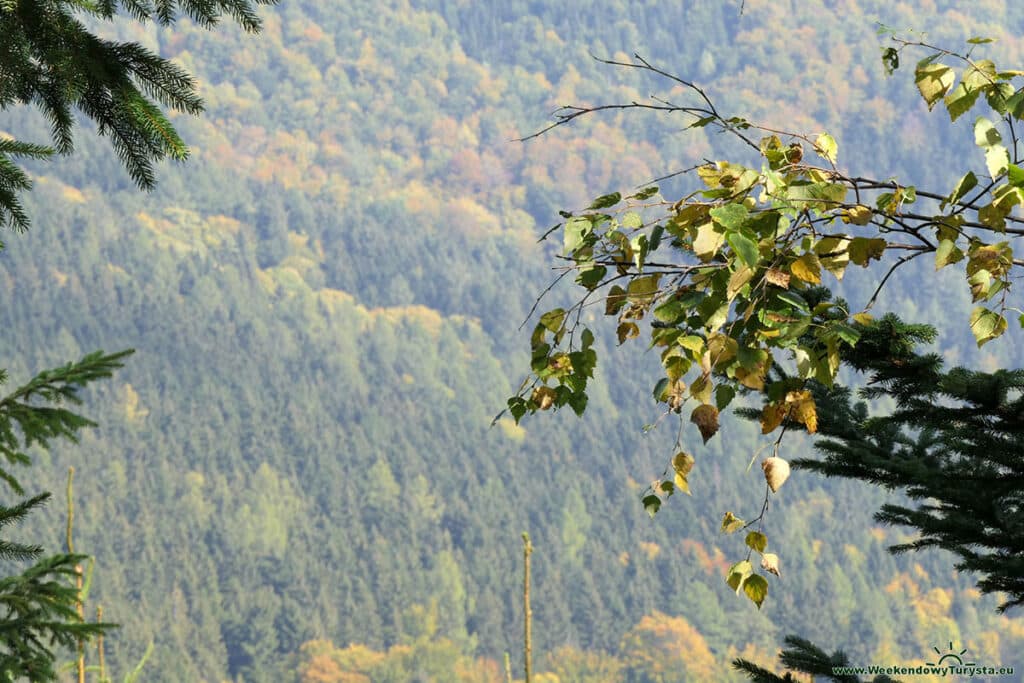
(527, 612)
(80, 664)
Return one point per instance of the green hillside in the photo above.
(295, 477)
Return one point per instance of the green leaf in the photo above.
(960, 100)
(670, 312)
(946, 253)
(993, 215)
(693, 344)
(997, 160)
(1015, 104)
(517, 407)
(804, 364)
(638, 245)
(890, 60)
(646, 193)
(966, 184)
(986, 325)
(615, 301)
(978, 40)
(933, 80)
(591, 277)
(817, 196)
(737, 574)
(1015, 175)
(844, 332)
(863, 249)
(737, 281)
(714, 313)
(793, 299)
(661, 389)
(834, 255)
(724, 394)
(575, 230)
(587, 338)
(652, 504)
(756, 588)
(604, 201)
(985, 133)
(552, 320)
(730, 216)
(655, 240)
(731, 523)
(631, 220)
(826, 146)
(998, 95)
(744, 247)
(708, 242)
(757, 541)
(643, 289)
(676, 367)
(578, 403)
(981, 74)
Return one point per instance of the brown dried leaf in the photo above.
(777, 277)
(706, 419)
(543, 396)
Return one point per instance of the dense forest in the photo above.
(295, 477)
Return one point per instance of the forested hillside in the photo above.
(295, 477)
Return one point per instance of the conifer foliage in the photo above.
(805, 657)
(953, 446)
(38, 606)
(48, 58)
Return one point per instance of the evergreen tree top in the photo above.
(48, 58)
(953, 445)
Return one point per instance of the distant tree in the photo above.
(730, 275)
(49, 59)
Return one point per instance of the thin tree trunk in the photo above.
(99, 646)
(527, 612)
(80, 664)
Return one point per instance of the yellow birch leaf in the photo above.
(807, 268)
(772, 416)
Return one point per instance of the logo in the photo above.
(949, 663)
(951, 658)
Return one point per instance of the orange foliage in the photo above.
(322, 669)
(669, 649)
(711, 564)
